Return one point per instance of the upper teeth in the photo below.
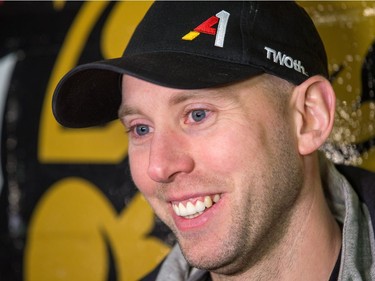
(193, 210)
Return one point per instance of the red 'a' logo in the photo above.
(207, 27)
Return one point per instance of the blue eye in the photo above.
(198, 115)
(142, 130)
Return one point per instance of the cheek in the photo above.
(138, 163)
(229, 151)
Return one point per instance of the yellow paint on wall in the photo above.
(106, 144)
(347, 29)
(74, 224)
(69, 229)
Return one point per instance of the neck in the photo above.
(311, 245)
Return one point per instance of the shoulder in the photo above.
(363, 182)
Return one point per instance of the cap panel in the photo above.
(166, 23)
(186, 71)
(283, 40)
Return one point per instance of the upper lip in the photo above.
(184, 197)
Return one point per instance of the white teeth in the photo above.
(200, 206)
(176, 210)
(191, 210)
(183, 211)
(194, 216)
(207, 201)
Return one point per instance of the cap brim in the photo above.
(90, 94)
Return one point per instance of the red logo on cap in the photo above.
(207, 27)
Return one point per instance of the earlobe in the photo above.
(315, 103)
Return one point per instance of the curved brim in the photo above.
(90, 94)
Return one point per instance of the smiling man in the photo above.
(226, 105)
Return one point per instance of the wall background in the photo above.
(68, 208)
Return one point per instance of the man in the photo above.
(226, 105)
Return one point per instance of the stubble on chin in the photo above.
(259, 226)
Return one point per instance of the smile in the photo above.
(192, 210)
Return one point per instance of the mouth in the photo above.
(192, 208)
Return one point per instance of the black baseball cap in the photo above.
(196, 45)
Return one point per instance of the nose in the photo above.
(169, 157)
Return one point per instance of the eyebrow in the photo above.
(212, 94)
(125, 110)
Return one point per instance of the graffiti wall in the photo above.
(68, 207)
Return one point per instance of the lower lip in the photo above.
(185, 225)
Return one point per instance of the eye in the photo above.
(198, 115)
(138, 130)
(141, 130)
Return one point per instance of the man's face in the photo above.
(219, 166)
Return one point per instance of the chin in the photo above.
(207, 257)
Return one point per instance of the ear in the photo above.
(314, 102)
